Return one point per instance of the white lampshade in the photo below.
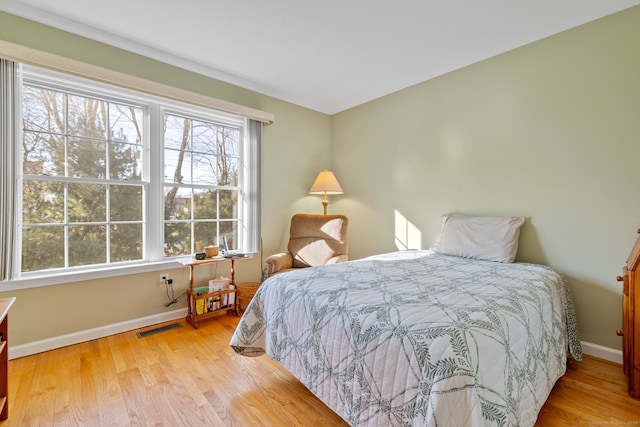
(326, 183)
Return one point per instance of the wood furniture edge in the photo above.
(5, 305)
(631, 320)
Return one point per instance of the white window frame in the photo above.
(153, 257)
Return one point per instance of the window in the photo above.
(201, 183)
(82, 186)
(109, 177)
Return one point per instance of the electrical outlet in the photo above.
(163, 279)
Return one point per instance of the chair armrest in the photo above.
(278, 262)
(337, 259)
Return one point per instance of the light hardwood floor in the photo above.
(188, 377)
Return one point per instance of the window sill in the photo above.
(93, 274)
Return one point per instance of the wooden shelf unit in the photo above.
(192, 298)
(5, 305)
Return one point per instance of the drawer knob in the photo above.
(619, 332)
(619, 278)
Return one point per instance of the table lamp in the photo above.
(326, 183)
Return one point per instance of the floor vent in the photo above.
(157, 330)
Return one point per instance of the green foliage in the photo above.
(42, 248)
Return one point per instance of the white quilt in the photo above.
(415, 338)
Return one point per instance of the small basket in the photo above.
(246, 291)
(211, 251)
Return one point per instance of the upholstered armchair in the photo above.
(314, 240)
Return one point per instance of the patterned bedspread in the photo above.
(415, 338)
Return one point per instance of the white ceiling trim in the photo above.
(50, 61)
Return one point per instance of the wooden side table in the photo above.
(192, 297)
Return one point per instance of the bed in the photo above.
(418, 338)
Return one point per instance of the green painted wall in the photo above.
(550, 131)
(298, 133)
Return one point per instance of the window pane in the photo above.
(177, 166)
(177, 203)
(86, 158)
(177, 239)
(205, 233)
(205, 169)
(42, 202)
(125, 203)
(42, 248)
(125, 162)
(87, 117)
(228, 171)
(204, 137)
(205, 204)
(125, 123)
(43, 110)
(125, 151)
(228, 204)
(229, 229)
(177, 132)
(230, 139)
(43, 154)
(87, 202)
(87, 245)
(126, 242)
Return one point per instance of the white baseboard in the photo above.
(92, 334)
(602, 352)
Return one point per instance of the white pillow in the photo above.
(488, 238)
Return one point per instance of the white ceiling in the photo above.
(326, 55)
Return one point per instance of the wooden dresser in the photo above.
(631, 320)
(5, 305)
